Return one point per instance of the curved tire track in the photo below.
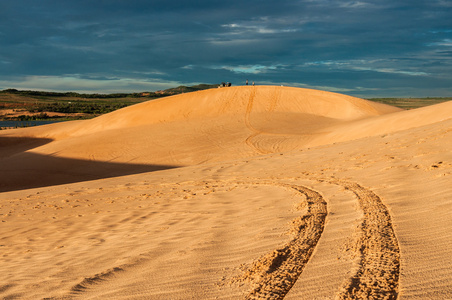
(274, 274)
(377, 247)
(377, 274)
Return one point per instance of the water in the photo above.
(24, 123)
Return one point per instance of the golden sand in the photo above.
(233, 193)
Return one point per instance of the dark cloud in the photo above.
(363, 48)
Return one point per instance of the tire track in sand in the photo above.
(378, 270)
(275, 273)
(377, 247)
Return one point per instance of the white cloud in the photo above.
(355, 4)
(392, 71)
(255, 28)
(444, 43)
(146, 73)
(364, 65)
(249, 69)
(233, 25)
(320, 87)
(326, 63)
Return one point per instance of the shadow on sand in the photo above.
(20, 169)
(15, 145)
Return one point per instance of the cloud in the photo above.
(356, 4)
(251, 69)
(239, 29)
(392, 71)
(232, 42)
(322, 43)
(443, 43)
(377, 65)
(443, 3)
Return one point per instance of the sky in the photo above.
(384, 48)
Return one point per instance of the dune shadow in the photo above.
(10, 145)
(28, 170)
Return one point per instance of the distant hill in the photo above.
(186, 89)
(36, 105)
(172, 91)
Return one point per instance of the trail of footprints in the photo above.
(273, 275)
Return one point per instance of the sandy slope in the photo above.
(284, 191)
(200, 127)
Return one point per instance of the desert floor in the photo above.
(232, 193)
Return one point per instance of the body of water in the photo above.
(24, 123)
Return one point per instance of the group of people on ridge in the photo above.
(228, 84)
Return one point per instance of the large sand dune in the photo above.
(244, 192)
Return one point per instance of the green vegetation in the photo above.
(41, 116)
(411, 103)
(188, 89)
(41, 105)
(73, 107)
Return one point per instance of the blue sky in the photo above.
(381, 48)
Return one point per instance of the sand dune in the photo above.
(244, 192)
(194, 128)
(228, 122)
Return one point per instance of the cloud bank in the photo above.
(364, 48)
